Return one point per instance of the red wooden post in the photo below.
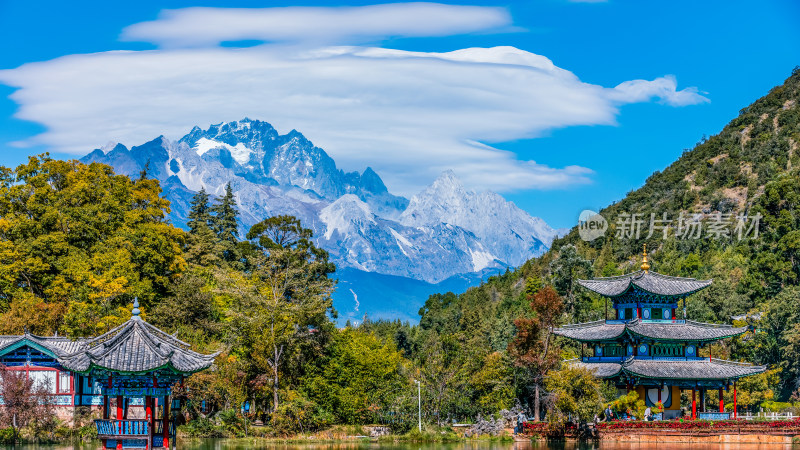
(119, 420)
(165, 423)
(721, 404)
(694, 404)
(734, 400)
(148, 411)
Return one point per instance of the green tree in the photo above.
(286, 296)
(567, 268)
(189, 308)
(574, 392)
(199, 212)
(629, 403)
(225, 225)
(360, 378)
(77, 242)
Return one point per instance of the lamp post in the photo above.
(419, 404)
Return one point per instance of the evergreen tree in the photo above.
(225, 226)
(200, 212)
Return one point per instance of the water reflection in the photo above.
(240, 444)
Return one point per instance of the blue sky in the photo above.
(487, 115)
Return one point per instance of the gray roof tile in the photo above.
(599, 369)
(136, 347)
(705, 369)
(686, 332)
(651, 282)
(592, 331)
(675, 369)
(690, 331)
(58, 345)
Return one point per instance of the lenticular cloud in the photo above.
(409, 115)
(196, 27)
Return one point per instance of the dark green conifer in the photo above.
(200, 212)
(225, 225)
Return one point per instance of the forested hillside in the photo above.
(751, 168)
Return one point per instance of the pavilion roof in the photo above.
(683, 331)
(599, 369)
(651, 282)
(136, 347)
(673, 369)
(58, 345)
(592, 331)
(704, 369)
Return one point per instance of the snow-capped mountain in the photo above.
(443, 232)
(503, 228)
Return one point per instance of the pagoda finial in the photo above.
(645, 265)
(135, 312)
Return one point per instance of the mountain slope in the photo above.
(446, 231)
(501, 226)
(751, 168)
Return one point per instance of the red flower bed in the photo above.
(695, 425)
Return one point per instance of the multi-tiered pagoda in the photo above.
(647, 348)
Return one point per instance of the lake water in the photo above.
(226, 444)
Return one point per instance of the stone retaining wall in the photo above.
(689, 439)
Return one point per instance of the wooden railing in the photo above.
(112, 429)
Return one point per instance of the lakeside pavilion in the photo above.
(647, 349)
(135, 364)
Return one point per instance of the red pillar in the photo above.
(120, 413)
(694, 404)
(148, 415)
(165, 426)
(721, 403)
(734, 400)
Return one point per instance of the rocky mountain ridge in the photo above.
(444, 231)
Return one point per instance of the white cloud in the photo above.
(409, 115)
(193, 27)
(665, 89)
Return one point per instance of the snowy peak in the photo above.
(504, 229)
(345, 215)
(443, 231)
(255, 151)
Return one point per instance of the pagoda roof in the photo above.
(592, 331)
(600, 369)
(651, 282)
(136, 347)
(57, 345)
(704, 369)
(688, 331)
(683, 330)
(673, 369)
